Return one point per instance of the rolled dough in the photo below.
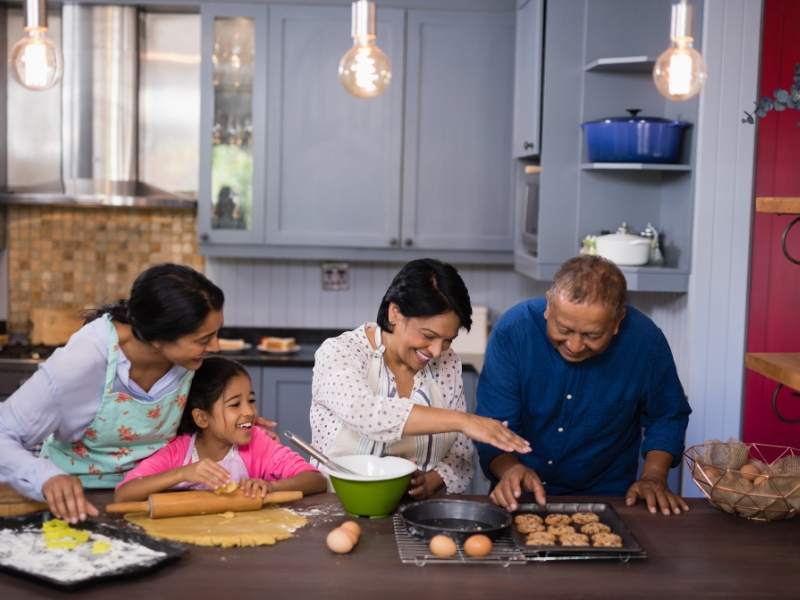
(252, 528)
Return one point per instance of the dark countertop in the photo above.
(704, 553)
(308, 340)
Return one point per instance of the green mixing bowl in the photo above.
(378, 488)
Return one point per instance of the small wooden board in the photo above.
(778, 205)
(783, 367)
(13, 504)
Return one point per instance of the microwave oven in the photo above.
(530, 213)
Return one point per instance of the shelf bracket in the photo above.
(785, 237)
(775, 405)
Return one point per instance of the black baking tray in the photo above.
(457, 519)
(630, 546)
(172, 551)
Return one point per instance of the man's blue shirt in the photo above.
(584, 420)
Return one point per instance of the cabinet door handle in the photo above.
(408, 242)
(527, 145)
(394, 242)
(204, 237)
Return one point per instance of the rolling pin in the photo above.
(182, 504)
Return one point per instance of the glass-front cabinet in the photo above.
(233, 124)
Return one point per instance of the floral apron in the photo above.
(426, 450)
(123, 432)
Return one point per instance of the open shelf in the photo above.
(639, 279)
(622, 64)
(615, 166)
(786, 205)
(783, 367)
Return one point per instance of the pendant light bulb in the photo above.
(36, 61)
(680, 71)
(364, 70)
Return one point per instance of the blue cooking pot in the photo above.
(634, 139)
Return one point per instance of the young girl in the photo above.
(218, 443)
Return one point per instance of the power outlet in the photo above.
(335, 277)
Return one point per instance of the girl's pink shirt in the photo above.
(264, 458)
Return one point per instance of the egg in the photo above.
(712, 473)
(750, 471)
(443, 546)
(477, 545)
(350, 533)
(353, 527)
(339, 541)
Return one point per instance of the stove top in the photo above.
(26, 352)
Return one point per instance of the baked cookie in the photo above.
(574, 539)
(526, 517)
(529, 523)
(560, 530)
(606, 540)
(557, 519)
(530, 527)
(593, 528)
(582, 518)
(541, 538)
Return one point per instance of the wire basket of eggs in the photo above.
(756, 481)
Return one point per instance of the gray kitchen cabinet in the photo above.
(334, 160)
(255, 382)
(286, 398)
(528, 78)
(421, 170)
(598, 61)
(233, 131)
(13, 374)
(459, 82)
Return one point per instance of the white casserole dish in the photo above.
(624, 249)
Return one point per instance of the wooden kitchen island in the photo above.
(702, 554)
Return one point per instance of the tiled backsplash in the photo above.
(62, 257)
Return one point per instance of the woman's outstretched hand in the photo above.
(65, 497)
(496, 433)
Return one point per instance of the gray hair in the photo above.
(590, 280)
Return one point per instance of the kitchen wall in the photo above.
(289, 294)
(773, 324)
(63, 257)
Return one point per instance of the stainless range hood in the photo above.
(100, 124)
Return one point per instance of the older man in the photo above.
(580, 375)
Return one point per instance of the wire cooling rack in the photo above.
(414, 550)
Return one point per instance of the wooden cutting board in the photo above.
(12, 504)
(54, 326)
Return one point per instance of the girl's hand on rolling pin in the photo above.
(255, 488)
(64, 495)
(207, 472)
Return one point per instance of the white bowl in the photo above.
(370, 468)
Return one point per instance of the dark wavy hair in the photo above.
(209, 381)
(425, 288)
(167, 301)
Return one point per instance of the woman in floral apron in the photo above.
(394, 387)
(114, 394)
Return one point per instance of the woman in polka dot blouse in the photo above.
(394, 387)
